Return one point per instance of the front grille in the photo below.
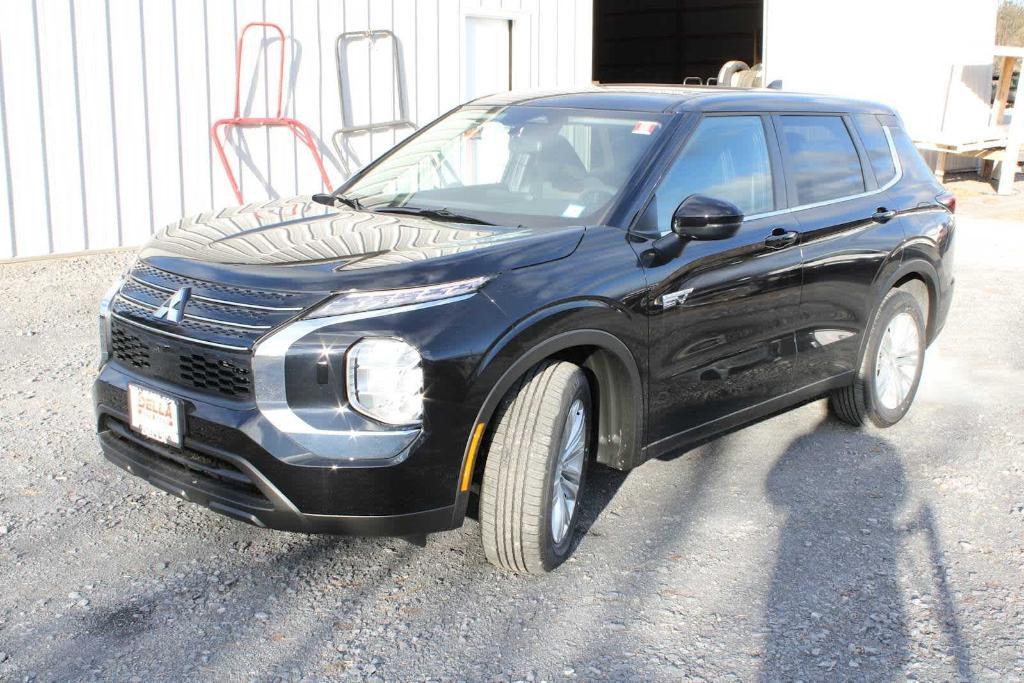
(128, 348)
(191, 328)
(167, 280)
(220, 376)
(209, 349)
(207, 370)
(147, 299)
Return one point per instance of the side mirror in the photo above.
(700, 217)
(325, 199)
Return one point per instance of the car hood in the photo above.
(301, 245)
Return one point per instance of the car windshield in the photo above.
(533, 166)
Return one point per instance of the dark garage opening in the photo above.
(667, 41)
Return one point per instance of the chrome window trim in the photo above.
(216, 301)
(193, 340)
(225, 323)
(268, 368)
(895, 179)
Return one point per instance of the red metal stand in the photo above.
(298, 128)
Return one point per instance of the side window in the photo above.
(725, 158)
(822, 160)
(914, 167)
(877, 146)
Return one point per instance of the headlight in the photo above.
(353, 302)
(104, 319)
(385, 380)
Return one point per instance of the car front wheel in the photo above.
(534, 474)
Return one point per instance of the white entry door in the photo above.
(488, 57)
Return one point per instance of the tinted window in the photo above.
(914, 167)
(725, 158)
(823, 162)
(877, 146)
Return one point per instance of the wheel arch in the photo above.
(614, 378)
(615, 382)
(920, 279)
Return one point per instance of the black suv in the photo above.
(529, 284)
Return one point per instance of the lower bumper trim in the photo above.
(272, 512)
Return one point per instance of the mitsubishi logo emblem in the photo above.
(173, 310)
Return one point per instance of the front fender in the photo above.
(588, 332)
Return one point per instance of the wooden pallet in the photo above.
(997, 143)
(976, 141)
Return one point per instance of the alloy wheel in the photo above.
(898, 361)
(565, 485)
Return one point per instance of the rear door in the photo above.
(722, 313)
(847, 236)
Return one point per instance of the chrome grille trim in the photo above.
(225, 323)
(222, 302)
(194, 340)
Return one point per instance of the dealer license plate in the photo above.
(154, 415)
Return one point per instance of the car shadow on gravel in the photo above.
(602, 485)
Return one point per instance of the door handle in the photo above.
(781, 238)
(883, 215)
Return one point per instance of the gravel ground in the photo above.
(794, 549)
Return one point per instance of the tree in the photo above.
(1010, 23)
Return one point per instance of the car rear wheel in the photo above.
(891, 369)
(536, 464)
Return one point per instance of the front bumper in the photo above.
(221, 467)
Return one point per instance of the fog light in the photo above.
(385, 380)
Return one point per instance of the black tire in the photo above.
(860, 401)
(525, 444)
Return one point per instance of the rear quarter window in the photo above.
(877, 146)
(821, 159)
(914, 167)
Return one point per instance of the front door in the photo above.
(722, 313)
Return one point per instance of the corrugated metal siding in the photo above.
(105, 105)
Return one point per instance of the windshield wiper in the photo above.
(333, 199)
(443, 213)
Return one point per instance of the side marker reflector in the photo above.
(474, 445)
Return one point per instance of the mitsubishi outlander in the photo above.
(531, 284)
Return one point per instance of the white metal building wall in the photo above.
(106, 105)
(930, 59)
